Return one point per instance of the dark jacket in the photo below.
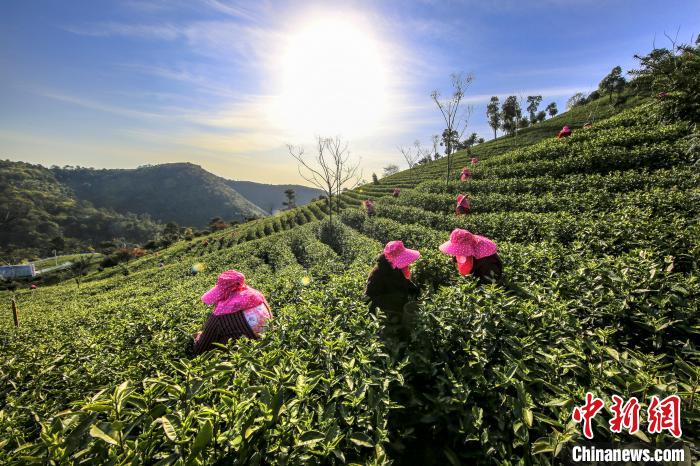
(221, 329)
(388, 289)
(488, 269)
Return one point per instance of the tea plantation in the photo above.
(600, 239)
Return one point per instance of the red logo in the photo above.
(662, 415)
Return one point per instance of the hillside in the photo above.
(183, 193)
(270, 197)
(600, 240)
(35, 208)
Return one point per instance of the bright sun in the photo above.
(333, 81)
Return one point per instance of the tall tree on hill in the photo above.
(533, 102)
(171, 230)
(575, 100)
(493, 113)
(511, 114)
(291, 201)
(455, 116)
(450, 139)
(614, 82)
(330, 170)
(390, 170)
(79, 267)
(217, 223)
(552, 109)
(469, 142)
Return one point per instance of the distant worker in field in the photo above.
(397, 192)
(474, 255)
(389, 287)
(369, 207)
(239, 311)
(465, 174)
(587, 125)
(474, 161)
(565, 132)
(463, 206)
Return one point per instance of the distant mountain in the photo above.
(183, 193)
(269, 197)
(39, 214)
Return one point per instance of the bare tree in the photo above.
(347, 172)
(330, 170)
(410, 155)
(435, 139)
(454, 115)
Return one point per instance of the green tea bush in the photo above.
(600, 240)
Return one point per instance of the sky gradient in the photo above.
(223, 84)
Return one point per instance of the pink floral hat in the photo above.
(231, 294)
(461, 198)
(398, 255)
(462, 243)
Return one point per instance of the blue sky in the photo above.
(228, 84)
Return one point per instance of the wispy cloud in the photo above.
(108, 29)
(100, 106)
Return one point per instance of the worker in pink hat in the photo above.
(474, 161)
(397, 192)
(389, 287)
(475, 255)
(565, 132)
(463, 205)
(465, 174)
(239, 310)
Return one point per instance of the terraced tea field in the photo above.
(600, 239)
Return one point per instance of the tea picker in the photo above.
(239, 311)
(463, 205)
(565, 132)
(369, 207)
(474, 255)
(389, 288)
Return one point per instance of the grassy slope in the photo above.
(592, 112)
(597, 284)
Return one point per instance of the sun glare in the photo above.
(333, 80)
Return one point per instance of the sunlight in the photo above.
(333, 80)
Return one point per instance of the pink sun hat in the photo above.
(231, 294)
(461, 198)
(398, 255)
(462, 243)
